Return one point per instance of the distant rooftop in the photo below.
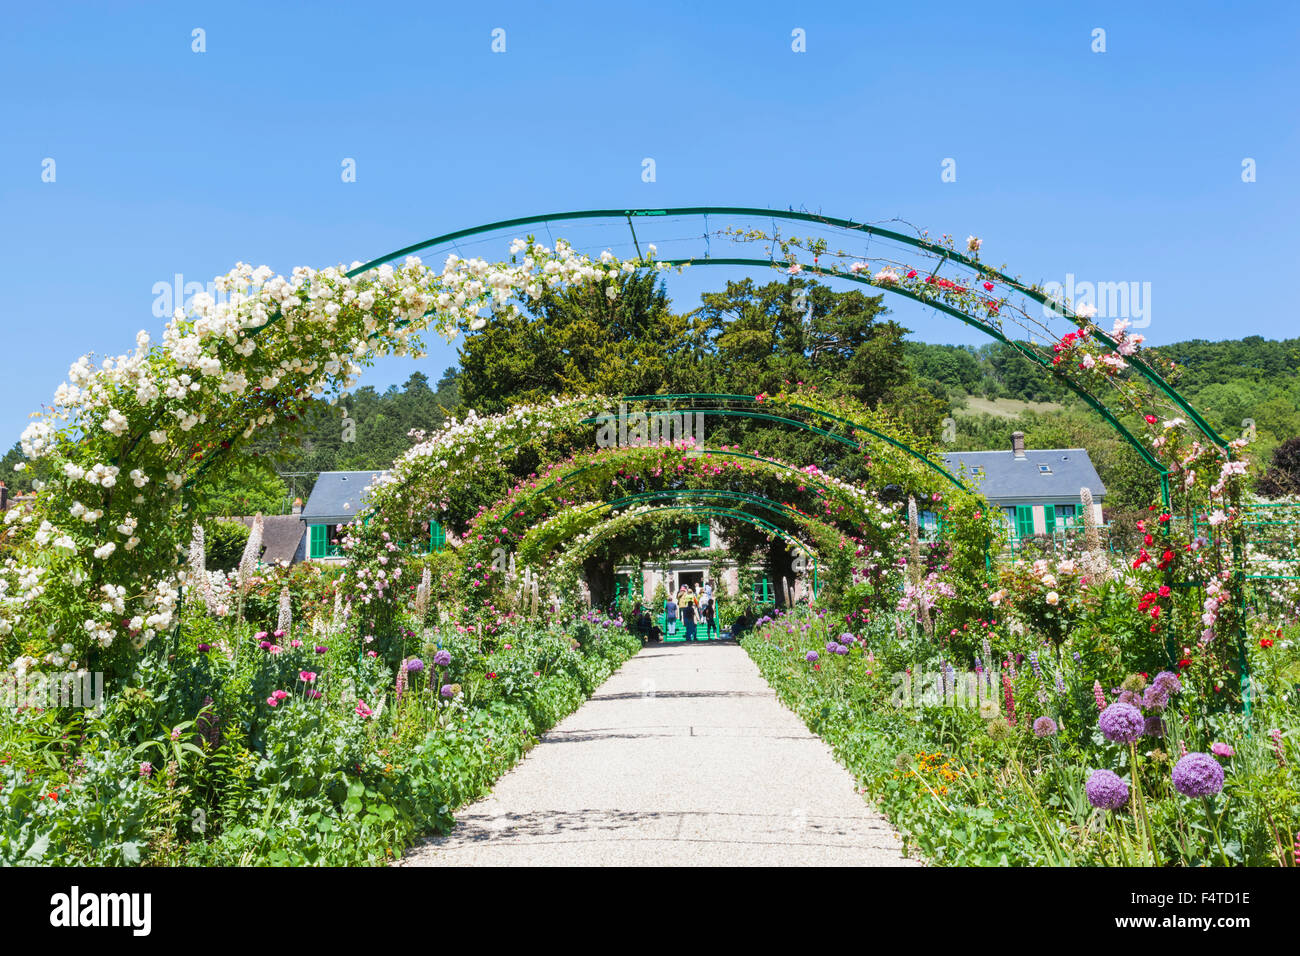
(1057, 473)
(338, 496)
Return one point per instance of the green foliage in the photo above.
(191, 763)
(224, 543)
(967, 781)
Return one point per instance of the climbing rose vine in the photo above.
(90, 570)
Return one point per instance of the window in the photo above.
(322, 538)
(1065, 515)
(697, 537)
(437, 536)
(1044, 469)
(763, 591)
(1024, 521)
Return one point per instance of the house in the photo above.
(336, 499)
(283, 536)
(1037, 489)
(692, 564)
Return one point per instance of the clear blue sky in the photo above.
(1117, 166)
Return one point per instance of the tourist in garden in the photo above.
(670, 615)
(689, 614)
(710, 616)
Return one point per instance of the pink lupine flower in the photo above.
(1098, 695)
(1276, 736)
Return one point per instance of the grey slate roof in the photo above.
(281, 537)
(1006, 476)
(337, 496)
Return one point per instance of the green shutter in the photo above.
(437, 536)
(1024, 521)
(319, 540)
(1049, 519)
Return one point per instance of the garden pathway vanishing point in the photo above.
(684, 757)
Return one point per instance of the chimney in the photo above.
(4, 496)
(1018, 444)
(297, 506)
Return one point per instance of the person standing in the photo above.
(710, 616)
(689, 615)
(670, 615)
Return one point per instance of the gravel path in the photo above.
(684, 757)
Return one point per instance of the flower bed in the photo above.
(1044, 765)
(247, 747)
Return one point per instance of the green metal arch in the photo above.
(923, 244)
(731, 514)
(718, 452)
(1152, 462)
(748, 498)
(825, 416)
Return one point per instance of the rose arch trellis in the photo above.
(93, 564)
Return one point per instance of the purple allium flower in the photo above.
(442, 658)
(1044, 727)
(415, 665)
(1156, 697)
(832, 648)
(1154, 727)
(1168, 682)
(447, 691)
(1130, 697)
(1198, 775)
(1106, 790)
(1222, 750)
(1121, 723)
(841, 649)
(846, 638)
(810, 656)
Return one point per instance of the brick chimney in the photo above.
(297, 506)
(1018, 444)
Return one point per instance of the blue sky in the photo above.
(1116, 166)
